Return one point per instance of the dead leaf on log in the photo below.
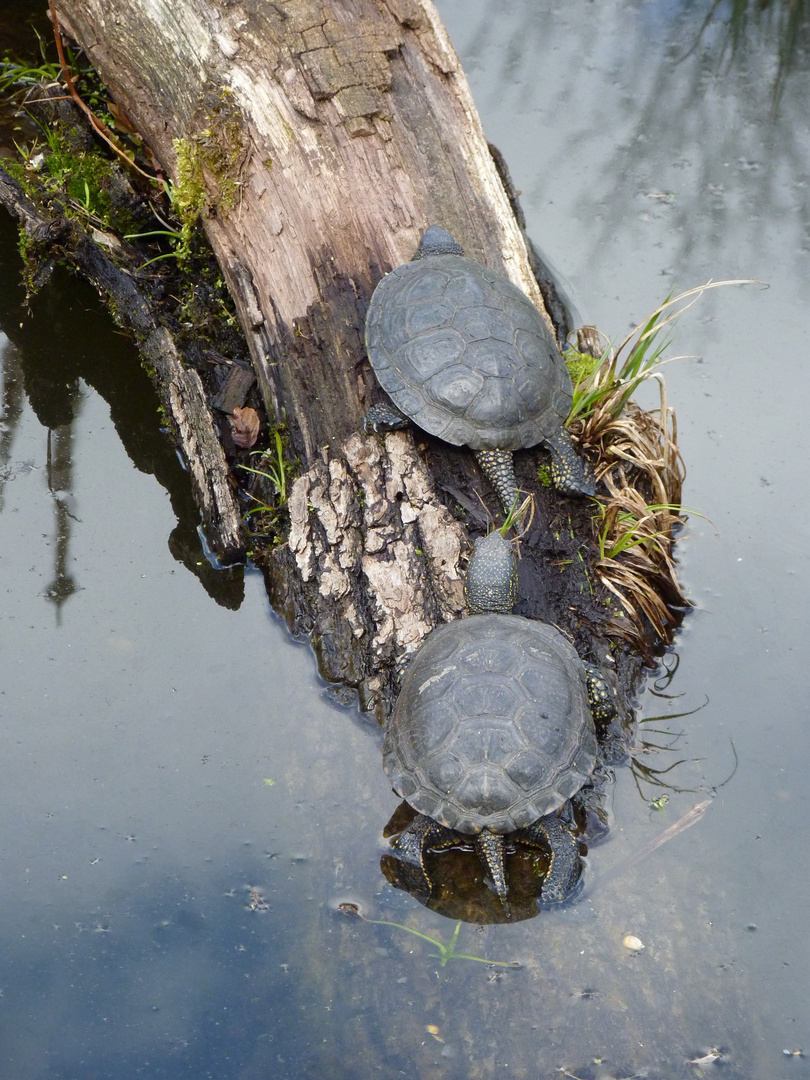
(244, 427)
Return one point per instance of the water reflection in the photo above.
(60, 471)
(783, 25)
(457, 887)
(52, 358)
(675, 72)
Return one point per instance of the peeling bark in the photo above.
(368, 536)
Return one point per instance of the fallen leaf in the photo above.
(244, 426)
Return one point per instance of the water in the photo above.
(168, 910)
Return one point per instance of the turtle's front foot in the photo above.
(603, 704)
(384, 417)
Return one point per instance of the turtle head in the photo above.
(436, 241)
(491, 583)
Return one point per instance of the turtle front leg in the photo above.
(570, 473)
(385, 416)
(497, 466)
(565, 867)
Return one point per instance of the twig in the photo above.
(98, 125)
(690, 818)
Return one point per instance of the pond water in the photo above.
(183, 805)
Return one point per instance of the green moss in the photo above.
(208, 164)
(581, 365)
(544, 476)
(188, 194)
(82, 180)
(27, 248)
(221, 145)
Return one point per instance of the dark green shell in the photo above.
(493, 725)
(465, 354)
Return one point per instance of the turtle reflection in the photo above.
(455, 883)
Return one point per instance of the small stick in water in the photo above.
(690, 818)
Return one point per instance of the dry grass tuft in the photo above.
(637, 458)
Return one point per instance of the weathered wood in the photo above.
(328, 136)
(396, 537)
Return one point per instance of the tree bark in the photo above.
(327, 137)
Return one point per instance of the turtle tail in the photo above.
(490, 848)
(498, 468)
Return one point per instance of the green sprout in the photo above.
(180, 239)
(274, 470)
(20, 73)
(604, 384)
(517, 515)
(446, 952)
(651, 527)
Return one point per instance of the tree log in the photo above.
(325, 136)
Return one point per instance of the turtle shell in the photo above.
(465, 354)
(493, 726)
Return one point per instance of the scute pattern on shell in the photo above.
(493, 726)
(465, 354)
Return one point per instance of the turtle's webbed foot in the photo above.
(565, 867)
(570, 473)
(384, 417)
(421, 835)
(498, 468)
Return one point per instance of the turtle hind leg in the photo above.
(570, 473)
(603, 704)
(498, 468)
(385, 416)
(422, 834)
(490, 848)
(564, 866)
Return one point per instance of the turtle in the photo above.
(493, 731)
(464, 354)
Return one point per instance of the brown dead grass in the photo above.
(637, 458)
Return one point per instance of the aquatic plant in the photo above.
(274, 469)
(446, 953)
(639, 462)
